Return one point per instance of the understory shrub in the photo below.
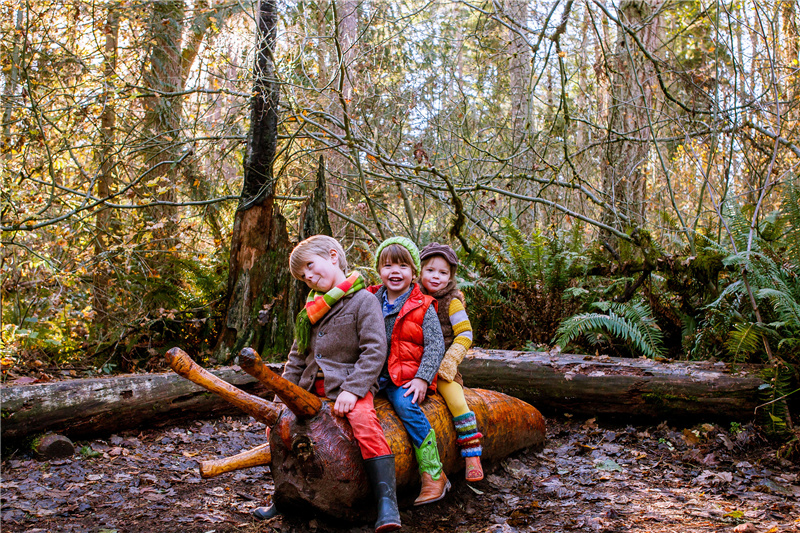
(516, 290)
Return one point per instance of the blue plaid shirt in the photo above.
(394, 308)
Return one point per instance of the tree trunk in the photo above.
(11, 103)
(259, 284)
(629, 135)
(519, 74)
(199, 185)
(105, 155)
(314, 214)
(12, 78)
(348, 36)
(581, 385)
(790, 55)
(163, 112)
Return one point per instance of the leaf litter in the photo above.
(590, 477)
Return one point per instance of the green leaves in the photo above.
(631, 323)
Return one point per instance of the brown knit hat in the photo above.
(444, 250)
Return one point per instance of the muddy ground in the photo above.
(589, 477)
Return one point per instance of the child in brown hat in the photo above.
(439, 264)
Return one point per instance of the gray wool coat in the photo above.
(348, 344)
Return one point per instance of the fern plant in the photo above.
(632, 323)
(763, 298)
(515, 290)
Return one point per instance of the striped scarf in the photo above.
(317, 304)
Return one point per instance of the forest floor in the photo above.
(589, 477)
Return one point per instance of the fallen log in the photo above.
(555, 383)
(629, 388)
(84, 408)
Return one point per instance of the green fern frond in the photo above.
(631, 323)
(743, 341)
(778, 383)
(766, 272)
(738, 225)
(735, 289)
(761, 270)
(499, 265)
(523, 253)
(790, 209)
(786, 305)
(640, 314)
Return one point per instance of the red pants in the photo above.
(366, 428)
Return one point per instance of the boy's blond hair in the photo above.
(320, 245)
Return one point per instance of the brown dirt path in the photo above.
(589, 477)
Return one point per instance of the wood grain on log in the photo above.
(257, 407)
(82, 408)
(52, 446)
(316, 461)
(602, 385)
(258, 456)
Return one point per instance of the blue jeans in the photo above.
(410, 414)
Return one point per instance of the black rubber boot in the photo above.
(265, 513)
(380, 471)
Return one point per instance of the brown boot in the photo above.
(432, 490)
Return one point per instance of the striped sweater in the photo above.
(459, 320)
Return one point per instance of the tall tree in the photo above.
(790, 52)
(519, 68)
(259, 284)
(629, 132)
(163, 114)
(105, 156)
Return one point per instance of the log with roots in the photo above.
(314, 458)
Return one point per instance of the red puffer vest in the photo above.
(408, 341)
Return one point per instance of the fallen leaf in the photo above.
(690, 437)
(608, 465)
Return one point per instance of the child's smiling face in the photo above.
(322, 273)
(396, 277)
(435, 274)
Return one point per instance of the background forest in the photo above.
(617, 177)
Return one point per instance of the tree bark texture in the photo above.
(628, 388)
(259, 284)
(315, 461)
(82, 408)
(12, 78)
(163, 113)
(348, 35)
(557, 384)
(790, 51)
(103, 218)
(519, 73)
(631, 84)
(314, 215)
(200, 186)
